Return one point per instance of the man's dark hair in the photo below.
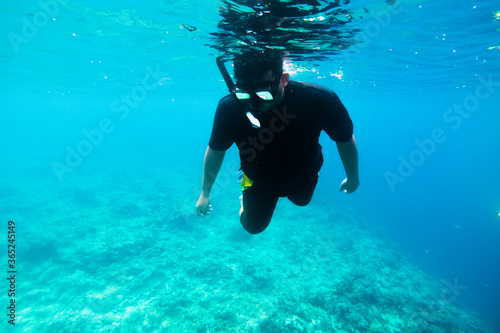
(252, 65)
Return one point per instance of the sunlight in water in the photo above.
(107, 111)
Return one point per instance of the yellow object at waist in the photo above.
(245, 182)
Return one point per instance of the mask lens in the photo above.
(265, 95)
(242, 95)
(257, 94)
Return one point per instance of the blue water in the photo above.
(106, 112)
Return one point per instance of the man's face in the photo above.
(264, 93)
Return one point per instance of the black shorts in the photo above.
(260, 199)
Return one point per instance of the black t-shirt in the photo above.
(286, 144)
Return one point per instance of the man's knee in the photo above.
(251, 226)
(303, 194)
(300, 201)
(253, 230)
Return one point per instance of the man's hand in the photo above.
(203, 206)
(349, 186)
(211, 167)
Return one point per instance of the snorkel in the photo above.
(232, 87)
(227, 78)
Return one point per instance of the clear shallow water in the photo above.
(71, 73)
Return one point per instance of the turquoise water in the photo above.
(107, 110)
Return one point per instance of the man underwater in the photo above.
(276, 124)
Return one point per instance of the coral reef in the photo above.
(126, 257)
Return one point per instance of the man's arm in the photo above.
(348, 152)
(211, 167)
